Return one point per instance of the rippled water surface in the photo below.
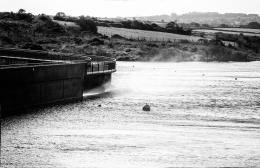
(202, 114)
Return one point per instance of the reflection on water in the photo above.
(202, 114)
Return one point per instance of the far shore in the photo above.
(43, 33)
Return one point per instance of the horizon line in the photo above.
(169, 14)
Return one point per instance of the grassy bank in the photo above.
(42, 33)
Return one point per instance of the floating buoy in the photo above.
(99, 105)
(235, 78)
(146, 108)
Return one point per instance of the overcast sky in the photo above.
(113, 8)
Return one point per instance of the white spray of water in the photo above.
(105, 88)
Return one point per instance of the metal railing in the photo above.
(47, 56)
(15, 62)
(100, 65)
(23, 57)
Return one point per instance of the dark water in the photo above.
(202, 114)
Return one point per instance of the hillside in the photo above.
(211, 18)
(24, 30)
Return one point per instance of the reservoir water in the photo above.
(202, 114)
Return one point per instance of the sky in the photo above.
(130, 8)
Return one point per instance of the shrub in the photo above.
(15, 30)
(87, 24)
(253, 25)
(44, 24)
(21, 15)
(60, 16)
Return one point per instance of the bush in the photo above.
(253, 25)
(60, 16)
(87, 24)
(173, 27)
(16, 31)
(44, 24)
(20, 15)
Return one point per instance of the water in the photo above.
(202, 114)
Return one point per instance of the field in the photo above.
(210, 31)
(244, 30)
(143, 34)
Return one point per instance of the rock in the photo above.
(146, 108)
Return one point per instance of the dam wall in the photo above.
(32, 78)
(29, 86)
(92, 81)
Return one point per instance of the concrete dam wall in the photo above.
(29, 78)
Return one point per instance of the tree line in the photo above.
(171, 27)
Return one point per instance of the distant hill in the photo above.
(211, 18)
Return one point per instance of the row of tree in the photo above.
(171, 27)
(194, 25)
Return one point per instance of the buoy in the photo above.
(235, 78)
(146, 108)
(99, 105)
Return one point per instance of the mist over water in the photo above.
(202, 114)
